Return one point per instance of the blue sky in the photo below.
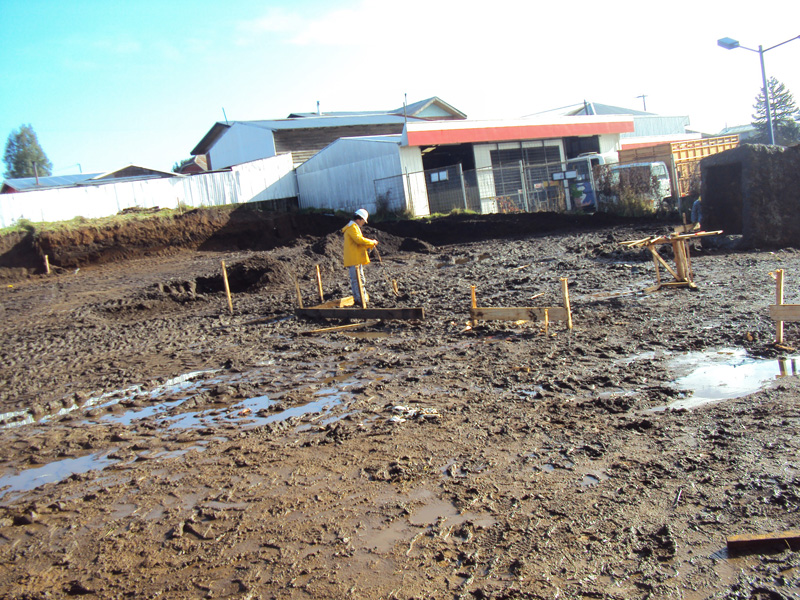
(106, 84)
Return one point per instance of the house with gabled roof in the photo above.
(435, 166)
(305, 134)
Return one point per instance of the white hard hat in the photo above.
(363, 214)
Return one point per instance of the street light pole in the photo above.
(730, 44)
(766, 97)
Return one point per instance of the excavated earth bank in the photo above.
(155, 445)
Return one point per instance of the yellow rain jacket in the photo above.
(356, 246)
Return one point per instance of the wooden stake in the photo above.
(46, 264)
(679, 265)
(658, 270)
(474, 304)
(319, 285)
(546, 321)
(299, 295)
(565, 291)
(779, 301)
(688, 258)
(227, 287)
(394, 287)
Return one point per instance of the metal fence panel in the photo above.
(508, 188)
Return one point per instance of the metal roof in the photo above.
(332, 119)
(410, 110)
(327, 121)
(25, 184)
(313, 122)
(427, 133)
(590, 108)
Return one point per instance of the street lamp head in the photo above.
(728, 43)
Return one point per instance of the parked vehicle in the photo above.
(582, 182)
(648, 180)
(682, 160)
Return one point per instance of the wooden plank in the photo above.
(680, 267)
(340, 303)
(403, 314)
(657, 256)
(784, 312)
(763, 542)
(340, 328)
(640, 242)
(557, 313)
(697, 234)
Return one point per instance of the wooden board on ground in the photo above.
(766, 542)
(402, 314)
(520, 313)
(340, 303)
(784, 312)
(349, 327)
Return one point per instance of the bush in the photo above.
(629, 192)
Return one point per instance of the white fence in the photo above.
(268, 179)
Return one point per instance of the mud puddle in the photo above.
(724, 374)
(30, 479)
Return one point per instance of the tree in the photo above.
(784, 115)
(176, 168)
(23, 152)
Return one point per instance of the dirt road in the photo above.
(155, 445)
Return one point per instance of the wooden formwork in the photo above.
(682, 273)
(343, 308)
(546, 314)
(780, 312)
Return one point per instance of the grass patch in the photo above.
(126, 216)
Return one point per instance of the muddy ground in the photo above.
(154, 445)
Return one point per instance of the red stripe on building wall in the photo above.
(438, 137)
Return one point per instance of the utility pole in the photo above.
(644, 103)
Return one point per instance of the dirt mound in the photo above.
(249, 275)
(244, 228)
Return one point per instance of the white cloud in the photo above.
(121, 46)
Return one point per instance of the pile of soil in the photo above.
(156, 445)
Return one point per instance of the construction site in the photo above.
(530, 406)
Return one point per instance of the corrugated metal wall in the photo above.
(645, 126)
(242, 143)
(268, 179)
(342, 178)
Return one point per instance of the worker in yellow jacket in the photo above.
(356, 252)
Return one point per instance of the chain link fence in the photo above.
(507, 188)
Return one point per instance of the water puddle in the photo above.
(320, 391)
(591, 479)
(172, 387)
(53, 472)
(251, 412)
(725, 374)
